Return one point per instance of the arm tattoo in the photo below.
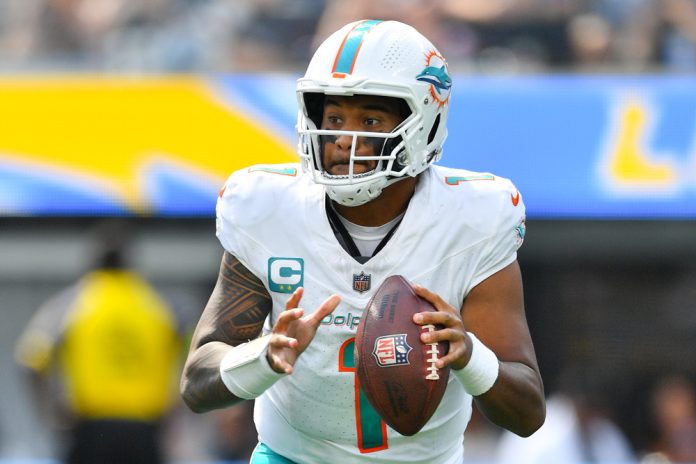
(241, 301)
(234, 314)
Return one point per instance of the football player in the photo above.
(306, 245)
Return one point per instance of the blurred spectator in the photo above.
(578, 427)
(673, 404)
(103, 359)
(71, 33)
(590, 40)
(180, 36)
(278, 35)
(16, 28)
(618, 33)
(679, 35)
(528, 35)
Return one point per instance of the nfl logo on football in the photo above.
(391, 350)
(361, 282)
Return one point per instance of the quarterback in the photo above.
(307, 244)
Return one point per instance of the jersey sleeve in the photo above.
(245, 210)
(226, 215)
(234, 211)
(506, 237)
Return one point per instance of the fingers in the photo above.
(278, 364)
(283, 341)
(294, 299)
(437, 318)
(457, 353)
(445, 314)
(286, 318)
(433, 298)
(324, 309)
(275, 348)
(292, 313)
(450, 328)
(454, 357)
(442, 335)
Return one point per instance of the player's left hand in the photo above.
(452, 329)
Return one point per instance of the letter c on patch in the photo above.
(285, 274)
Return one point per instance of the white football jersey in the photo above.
(460, 227)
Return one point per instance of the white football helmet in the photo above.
(384, 58)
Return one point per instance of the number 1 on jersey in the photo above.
(372, 430)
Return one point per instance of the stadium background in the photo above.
(150, 119)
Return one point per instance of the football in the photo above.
(395, 370)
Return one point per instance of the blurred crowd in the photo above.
(279, 35)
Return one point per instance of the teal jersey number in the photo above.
(371, 429)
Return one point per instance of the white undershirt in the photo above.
(368, 238)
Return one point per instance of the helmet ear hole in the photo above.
(433, 130)
(404, 109)
(314, 103)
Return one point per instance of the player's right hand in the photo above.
(293, 331)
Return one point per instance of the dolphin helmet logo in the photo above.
(437, 77)
(436, 74)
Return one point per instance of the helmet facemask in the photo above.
(389, 152)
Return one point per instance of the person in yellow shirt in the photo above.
(112, 343)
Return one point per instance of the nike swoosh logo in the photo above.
(515, 198)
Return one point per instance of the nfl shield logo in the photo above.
(391, 350)
(361, 282)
